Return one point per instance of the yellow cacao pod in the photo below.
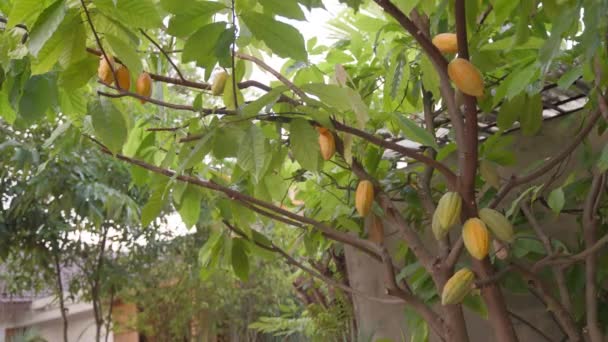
(123, 78)
(327, 144)
(375, 229)
(489, 173)
(446, 42)
(364, 197)
(498, 224)
(219, 81)
(457, 287)
(144, 86)
(104, 71)
(446, 214)
(476, 238)
(466, 77)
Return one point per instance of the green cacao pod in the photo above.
(476, 238)
(498, 224)
(364, 197)
(446, 214)
(217, 87)
(457, 287)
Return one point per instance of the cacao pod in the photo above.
(457, 287)
(104, 71)
(375, 229)
(446, 214)
(123, 78)
(476, 238)
(466, 77)
(498, 224)
(219, 81)
(327, 144)
(364, 197)
(489, 173)
(143, 86)
(446, 42)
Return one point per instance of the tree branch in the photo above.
(179, 73)
(98, 40)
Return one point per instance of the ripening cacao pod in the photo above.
(498, 224)
(143, 86)
(327, 144)
(446, 42)
(446, 214)
(489, 173)
(457, 287)
(364, 197)
(466, 77)
(104, 71)
(375, 229)
(123, 78)
(476, 238)
(219, 81)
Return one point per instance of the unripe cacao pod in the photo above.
(104, 71)
(123, 78)
(327, 144)
(476, 238)
(446, 214)
(498, 224)
(466, 77)
(143, 86)
(219, 81)
(446, 42)
(364, 197)
(375, 229)
(489, 173)
(457, 287)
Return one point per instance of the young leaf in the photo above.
(109, 123)
(556, 200)
(283, 39)
(414, 132)
(240, 260)
(304, 144)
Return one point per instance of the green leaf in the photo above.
(78, 74)
(189, 207)
(556, 200)
(222, 47)
(510, 111)
(153, 207)
(126, 51)
(331, 95)
(240, 260)
(39, 93)
(137, 13)
(109, 123)
(304, 144)
(190, 7)
(430, 78)
(46, 25)
(476, 304)
(73, 104)
(26, 11)
(412, 131)
(252, 152)
(229, 93)
(281, 38)
(602, 162)
(6, 111)
(532, 118)
(285, 8)
(570, 77)
(255, 107)
(200, 47)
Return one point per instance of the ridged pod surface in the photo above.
(364, 197)
(123, 77)
(104, 71)
(457, 287)
(217, 87)
(466, 77)
(446, 214)
(144, 86)
(498, 224)
(327, 144)
(446, 42)
(375, 229)
(476, 238)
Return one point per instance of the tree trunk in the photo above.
(64, 316)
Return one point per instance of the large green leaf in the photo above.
(304, 144)
(192, 7)
(532, 118)
(189, 207)
(286, 8)
(510, 111)
(46, 25)
(78, 74)
(27, 11)
(126, 51)
(240, 260)
(109, 123)
(229, 95)
(255, 107)
(39, 93)
(252, 152)
(200, 47)
(136, 13)
(412, 131)
(283, 39)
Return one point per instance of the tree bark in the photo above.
(62, 307)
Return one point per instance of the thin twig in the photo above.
(179, 73)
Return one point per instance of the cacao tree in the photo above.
(399, 138)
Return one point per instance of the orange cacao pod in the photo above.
(457, 287)
(497, 223)
(446, 214)
(364, 197)
(446, 42)
(476, 238)
(104, 71)
(375, 229)
(123, 78)
(327, 144)
(466, 77)
(143, 86)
